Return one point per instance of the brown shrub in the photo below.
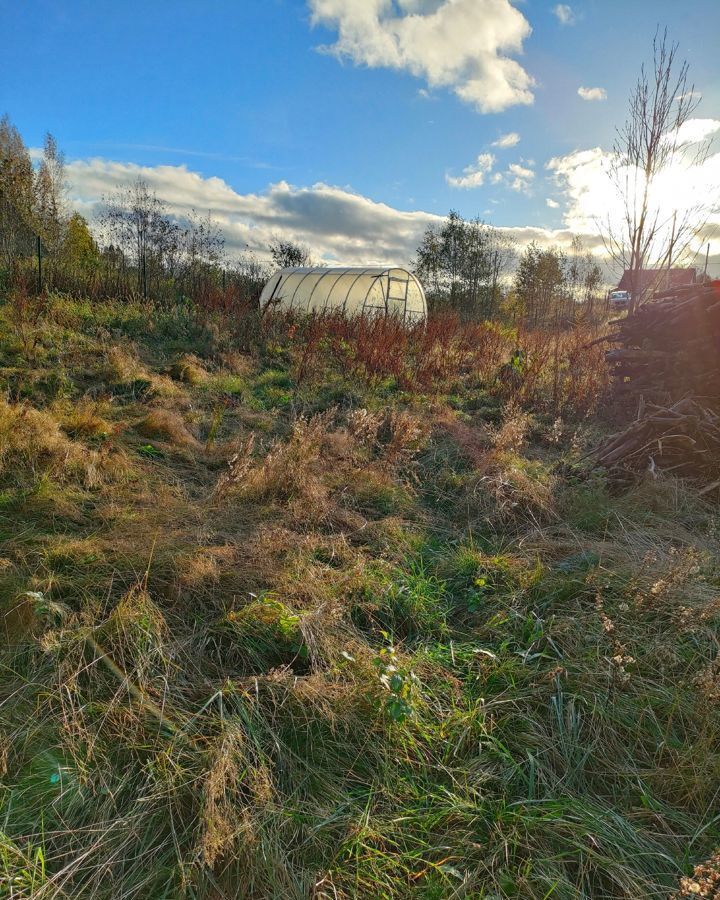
(538, 369)
(394, 436)
(511, 434)
(400, 436)
(288, 469)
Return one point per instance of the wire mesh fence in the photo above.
(76, 265)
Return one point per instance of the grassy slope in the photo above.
(400, 647)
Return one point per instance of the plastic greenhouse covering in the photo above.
(354, 291)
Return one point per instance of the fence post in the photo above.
(39, 259)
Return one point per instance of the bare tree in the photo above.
(653, 232)
(203, 245)
(583, 278)
(249, 276)
(503, 253)
(136, 221)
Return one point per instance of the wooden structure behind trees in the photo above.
(651, 281)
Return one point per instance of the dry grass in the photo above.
(189, 370)
(121, 364)
(394, 648)
(166, 425)
(238, 363)
(86, 419)
(34, 447)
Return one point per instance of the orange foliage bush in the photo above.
(540, 369)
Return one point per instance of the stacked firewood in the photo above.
(669, 348)
(683, 438)
(667, 369)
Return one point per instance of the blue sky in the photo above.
(240, 91)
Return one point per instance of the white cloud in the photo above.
(594, 205)
(565, 14)
(693, 131)
(519, 178)
(474, 174)
(696, 96)
(553, 204)
(512, 139)
(339, 225)
(520, 171)
(594, 93)
(464, 45)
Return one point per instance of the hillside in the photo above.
(327, 609)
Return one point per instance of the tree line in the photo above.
(139, 248)
(478, 271)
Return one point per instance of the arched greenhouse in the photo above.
(358, 291)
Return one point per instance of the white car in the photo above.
(619, 300)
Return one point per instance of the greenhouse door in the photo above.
(397, 291)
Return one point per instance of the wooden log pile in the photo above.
(669, 348)
(683, 438)
(666, 366)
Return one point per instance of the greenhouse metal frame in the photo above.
(370, 290)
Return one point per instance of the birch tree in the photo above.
(656, 225)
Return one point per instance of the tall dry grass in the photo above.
(391, 641)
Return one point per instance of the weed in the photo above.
(22, 869)
(401, 684)
(150, 451)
